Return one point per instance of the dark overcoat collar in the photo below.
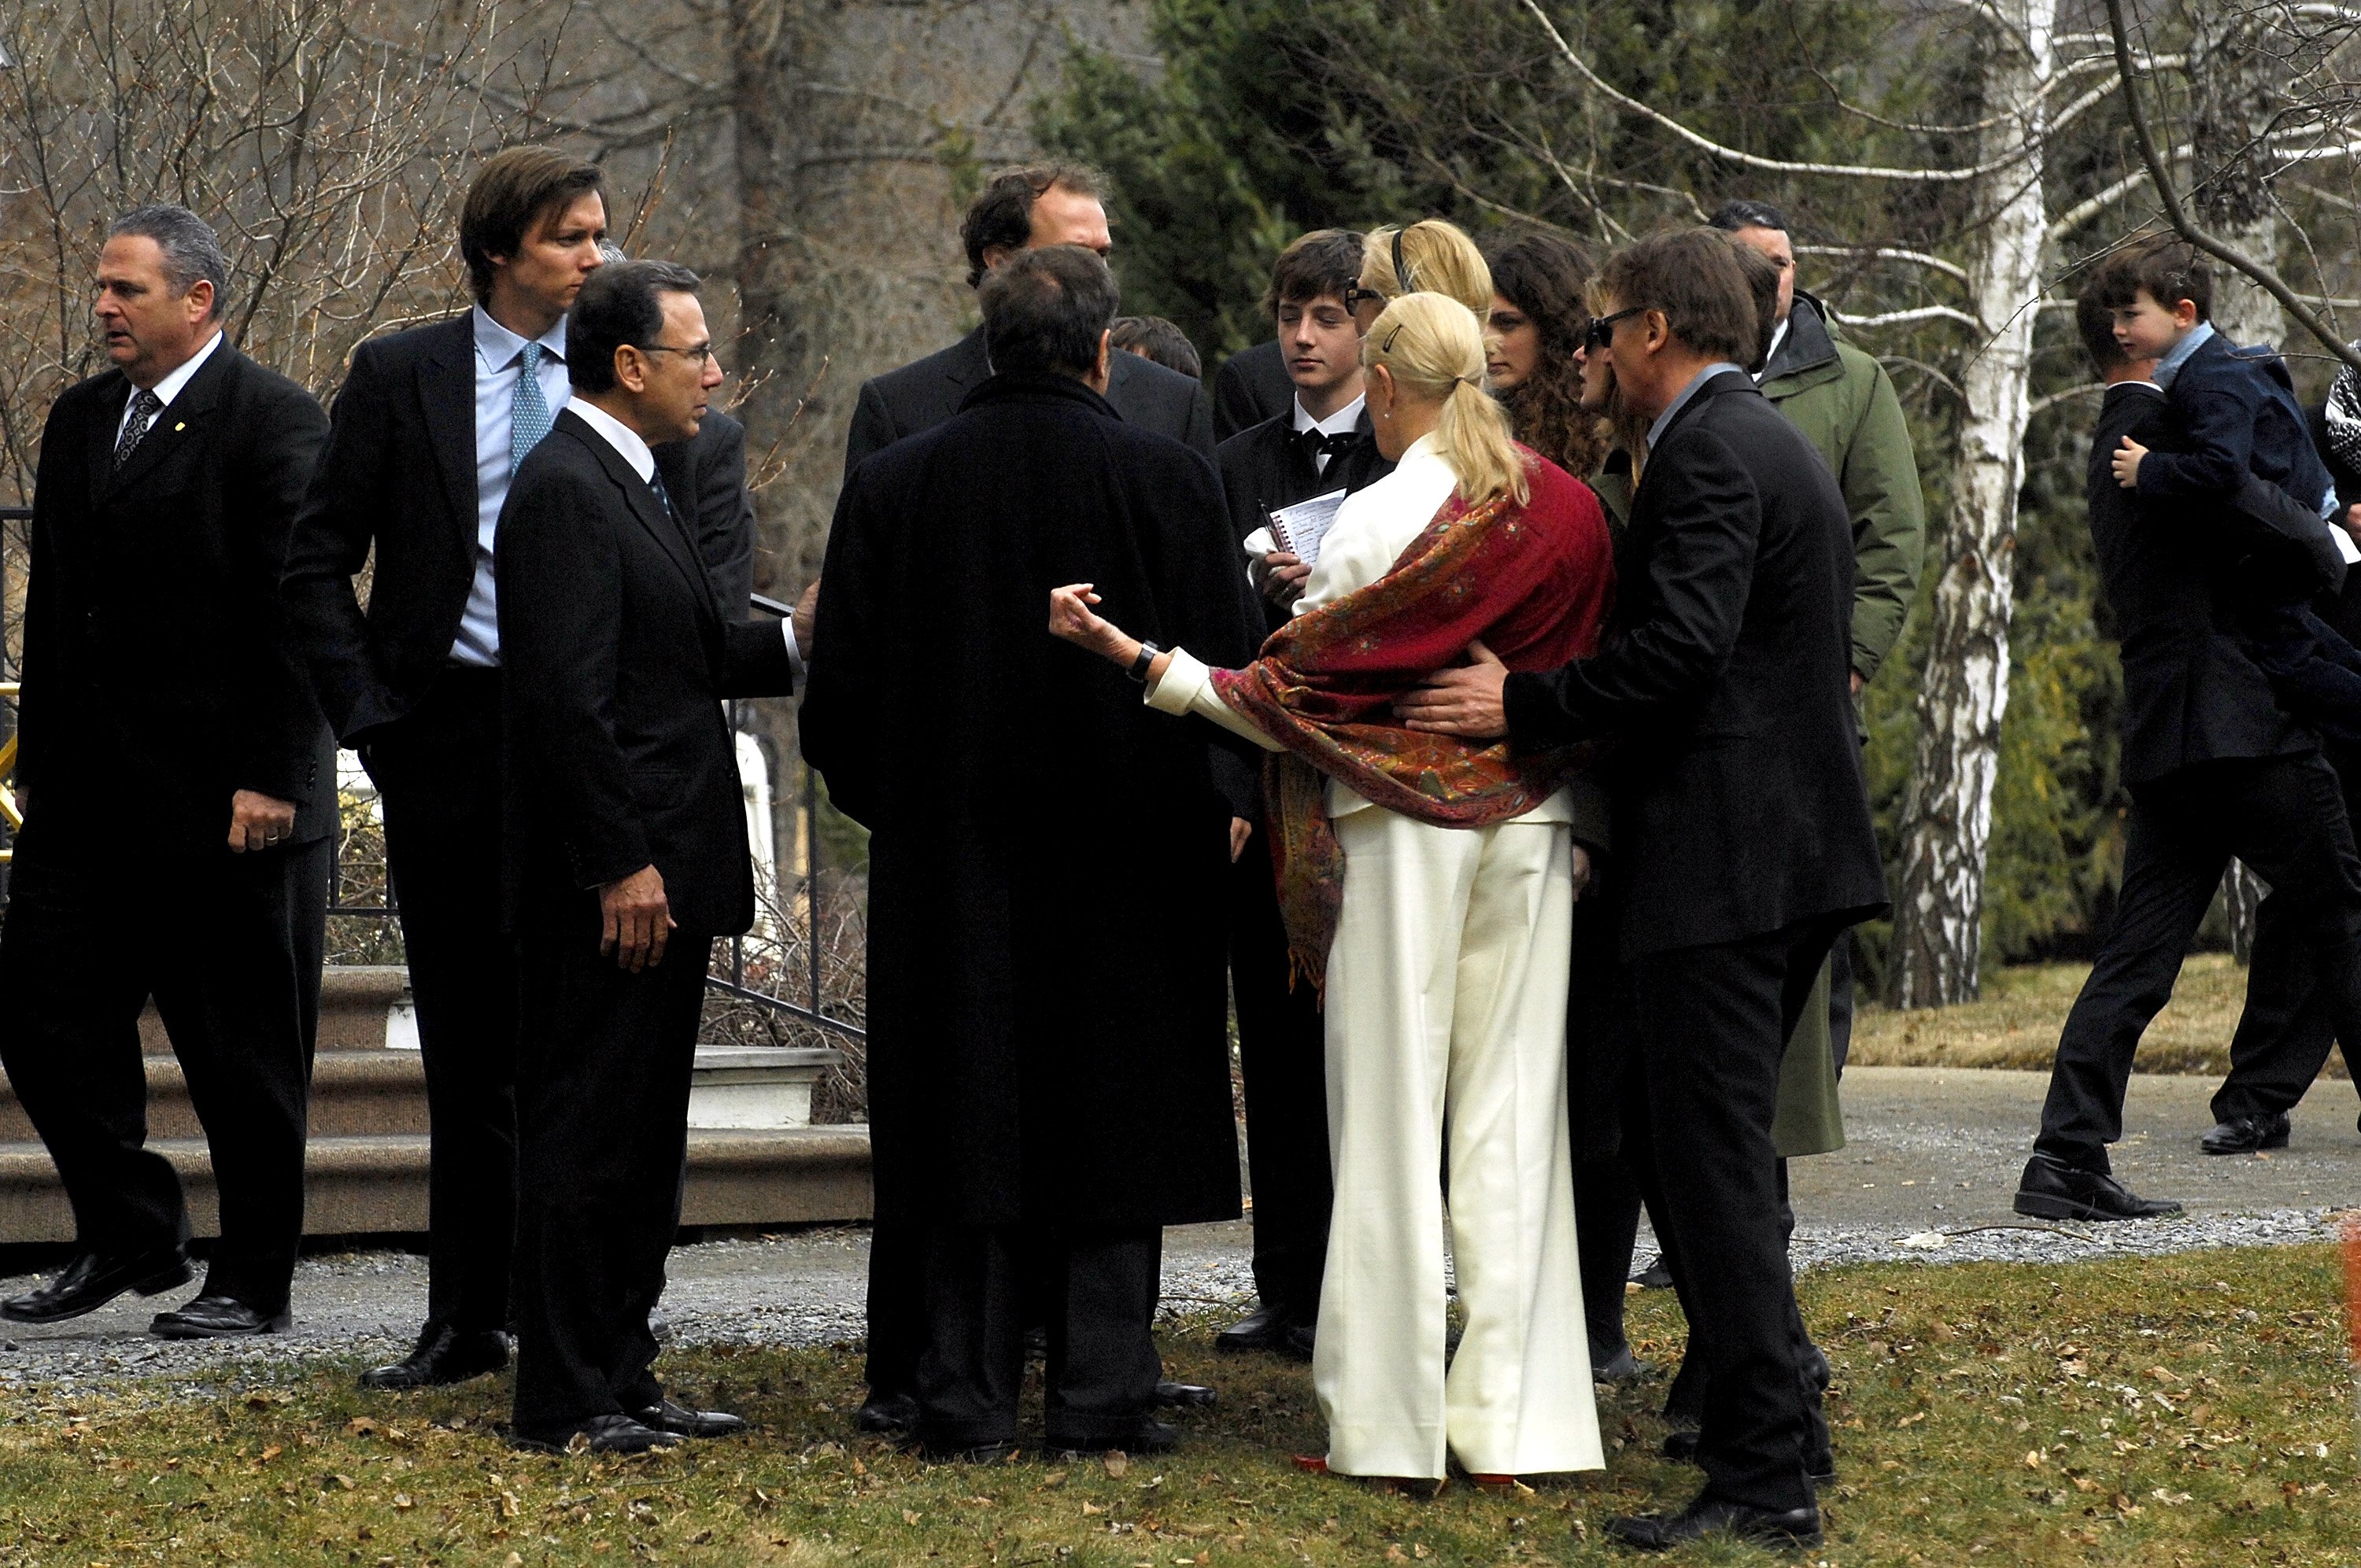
(1016, 386)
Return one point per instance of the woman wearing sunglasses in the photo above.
(1428, 885)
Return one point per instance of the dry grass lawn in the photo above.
(2016, 1023)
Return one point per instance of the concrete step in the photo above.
(360, 1006)
(354, 1093)
(375, 1183)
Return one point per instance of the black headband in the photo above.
(1402, 273)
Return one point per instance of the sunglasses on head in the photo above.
(1600, 334)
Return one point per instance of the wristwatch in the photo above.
(1148, 652)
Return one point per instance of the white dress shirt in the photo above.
(170, 386)
(500, 359)
(643, 461)
(1372, 528)
(1341, 422)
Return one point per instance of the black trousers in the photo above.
(2286, 1031)
(229, 945)
(2285, 817)
(438, 773)
(603, 1066)
(1713, 1023)
(1282, 1056)
(1102, 1367)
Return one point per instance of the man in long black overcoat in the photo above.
(1047, 1049)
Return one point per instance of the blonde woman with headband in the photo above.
(1429, 256)
(1429, 889)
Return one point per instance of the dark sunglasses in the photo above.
(1600, 334)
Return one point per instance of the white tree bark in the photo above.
(1946, 815)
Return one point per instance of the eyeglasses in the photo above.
(1355, 295)
(700, 356)
(1600, 334)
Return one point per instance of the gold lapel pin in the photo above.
(180, 426)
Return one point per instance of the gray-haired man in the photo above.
(181, 794)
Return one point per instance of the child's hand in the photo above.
(2127, 462)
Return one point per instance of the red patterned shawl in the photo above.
(1534, 582)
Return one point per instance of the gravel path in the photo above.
(1935, 1153)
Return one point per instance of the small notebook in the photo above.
(1299, 529)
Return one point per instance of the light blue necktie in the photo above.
(529, 417)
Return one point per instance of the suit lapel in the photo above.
(176, 426)
(972, 364)
(1728, 381)
(102, 437)
(446, 392)
(661, 524)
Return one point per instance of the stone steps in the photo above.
(375, 1183)
(365, 1166)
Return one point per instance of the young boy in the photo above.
(2237, 414)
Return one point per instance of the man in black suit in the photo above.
(625, 851)
(2216, 768)
(428, 429)
(1742, 826)
(1048, 1077)
(179, 790)
(1321, 443)
(1251, 386)
(1020, 208)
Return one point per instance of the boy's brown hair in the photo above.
(1312, 267)
(2165, 268)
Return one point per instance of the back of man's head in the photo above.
(1154, 338)
(1763, 279)
(1692, 276)
(1743, 213)
(1046, 311)
(2165, 268)
(1313, 267)
(2095, 323)
(509, 195)
(1002, 212)
(620, 302)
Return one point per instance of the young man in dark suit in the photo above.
(1741, 826)
(1322, 442)
(1021, 209)
(428, 430)
(179, 789)
(625, 851)
(1251, 386)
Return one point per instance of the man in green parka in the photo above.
(1844, 402)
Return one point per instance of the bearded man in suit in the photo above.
(180, 792)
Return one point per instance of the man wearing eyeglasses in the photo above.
(428, 435)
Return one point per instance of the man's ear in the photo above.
(200, 296)
(631, 369)
(1106, 347)
(994, 254)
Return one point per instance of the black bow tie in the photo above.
(1317, 444)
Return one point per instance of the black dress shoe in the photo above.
(599, 1434)
(92, 1280)
(1657, 1276)
(1174, 1396)
(2052, 1190)
(968, 1453)
(219, 1317)
(442, 1356)
(887, 1413)
(669, 1415)
(1265, 1328)
(1621, 1368)
(1707, 1516)
(2244, 1135)
(1298, 1343)
(1146, 1436)
(1680, 1446)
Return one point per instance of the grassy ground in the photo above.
(2016, 1023)
(2188, 1410)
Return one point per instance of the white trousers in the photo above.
(1447, 1003)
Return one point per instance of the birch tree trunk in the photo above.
(1947, 814)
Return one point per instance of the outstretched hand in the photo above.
(1464, 701)
(1072, 620)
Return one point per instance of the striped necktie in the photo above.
(529, 416)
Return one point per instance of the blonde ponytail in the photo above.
(1435, 351)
